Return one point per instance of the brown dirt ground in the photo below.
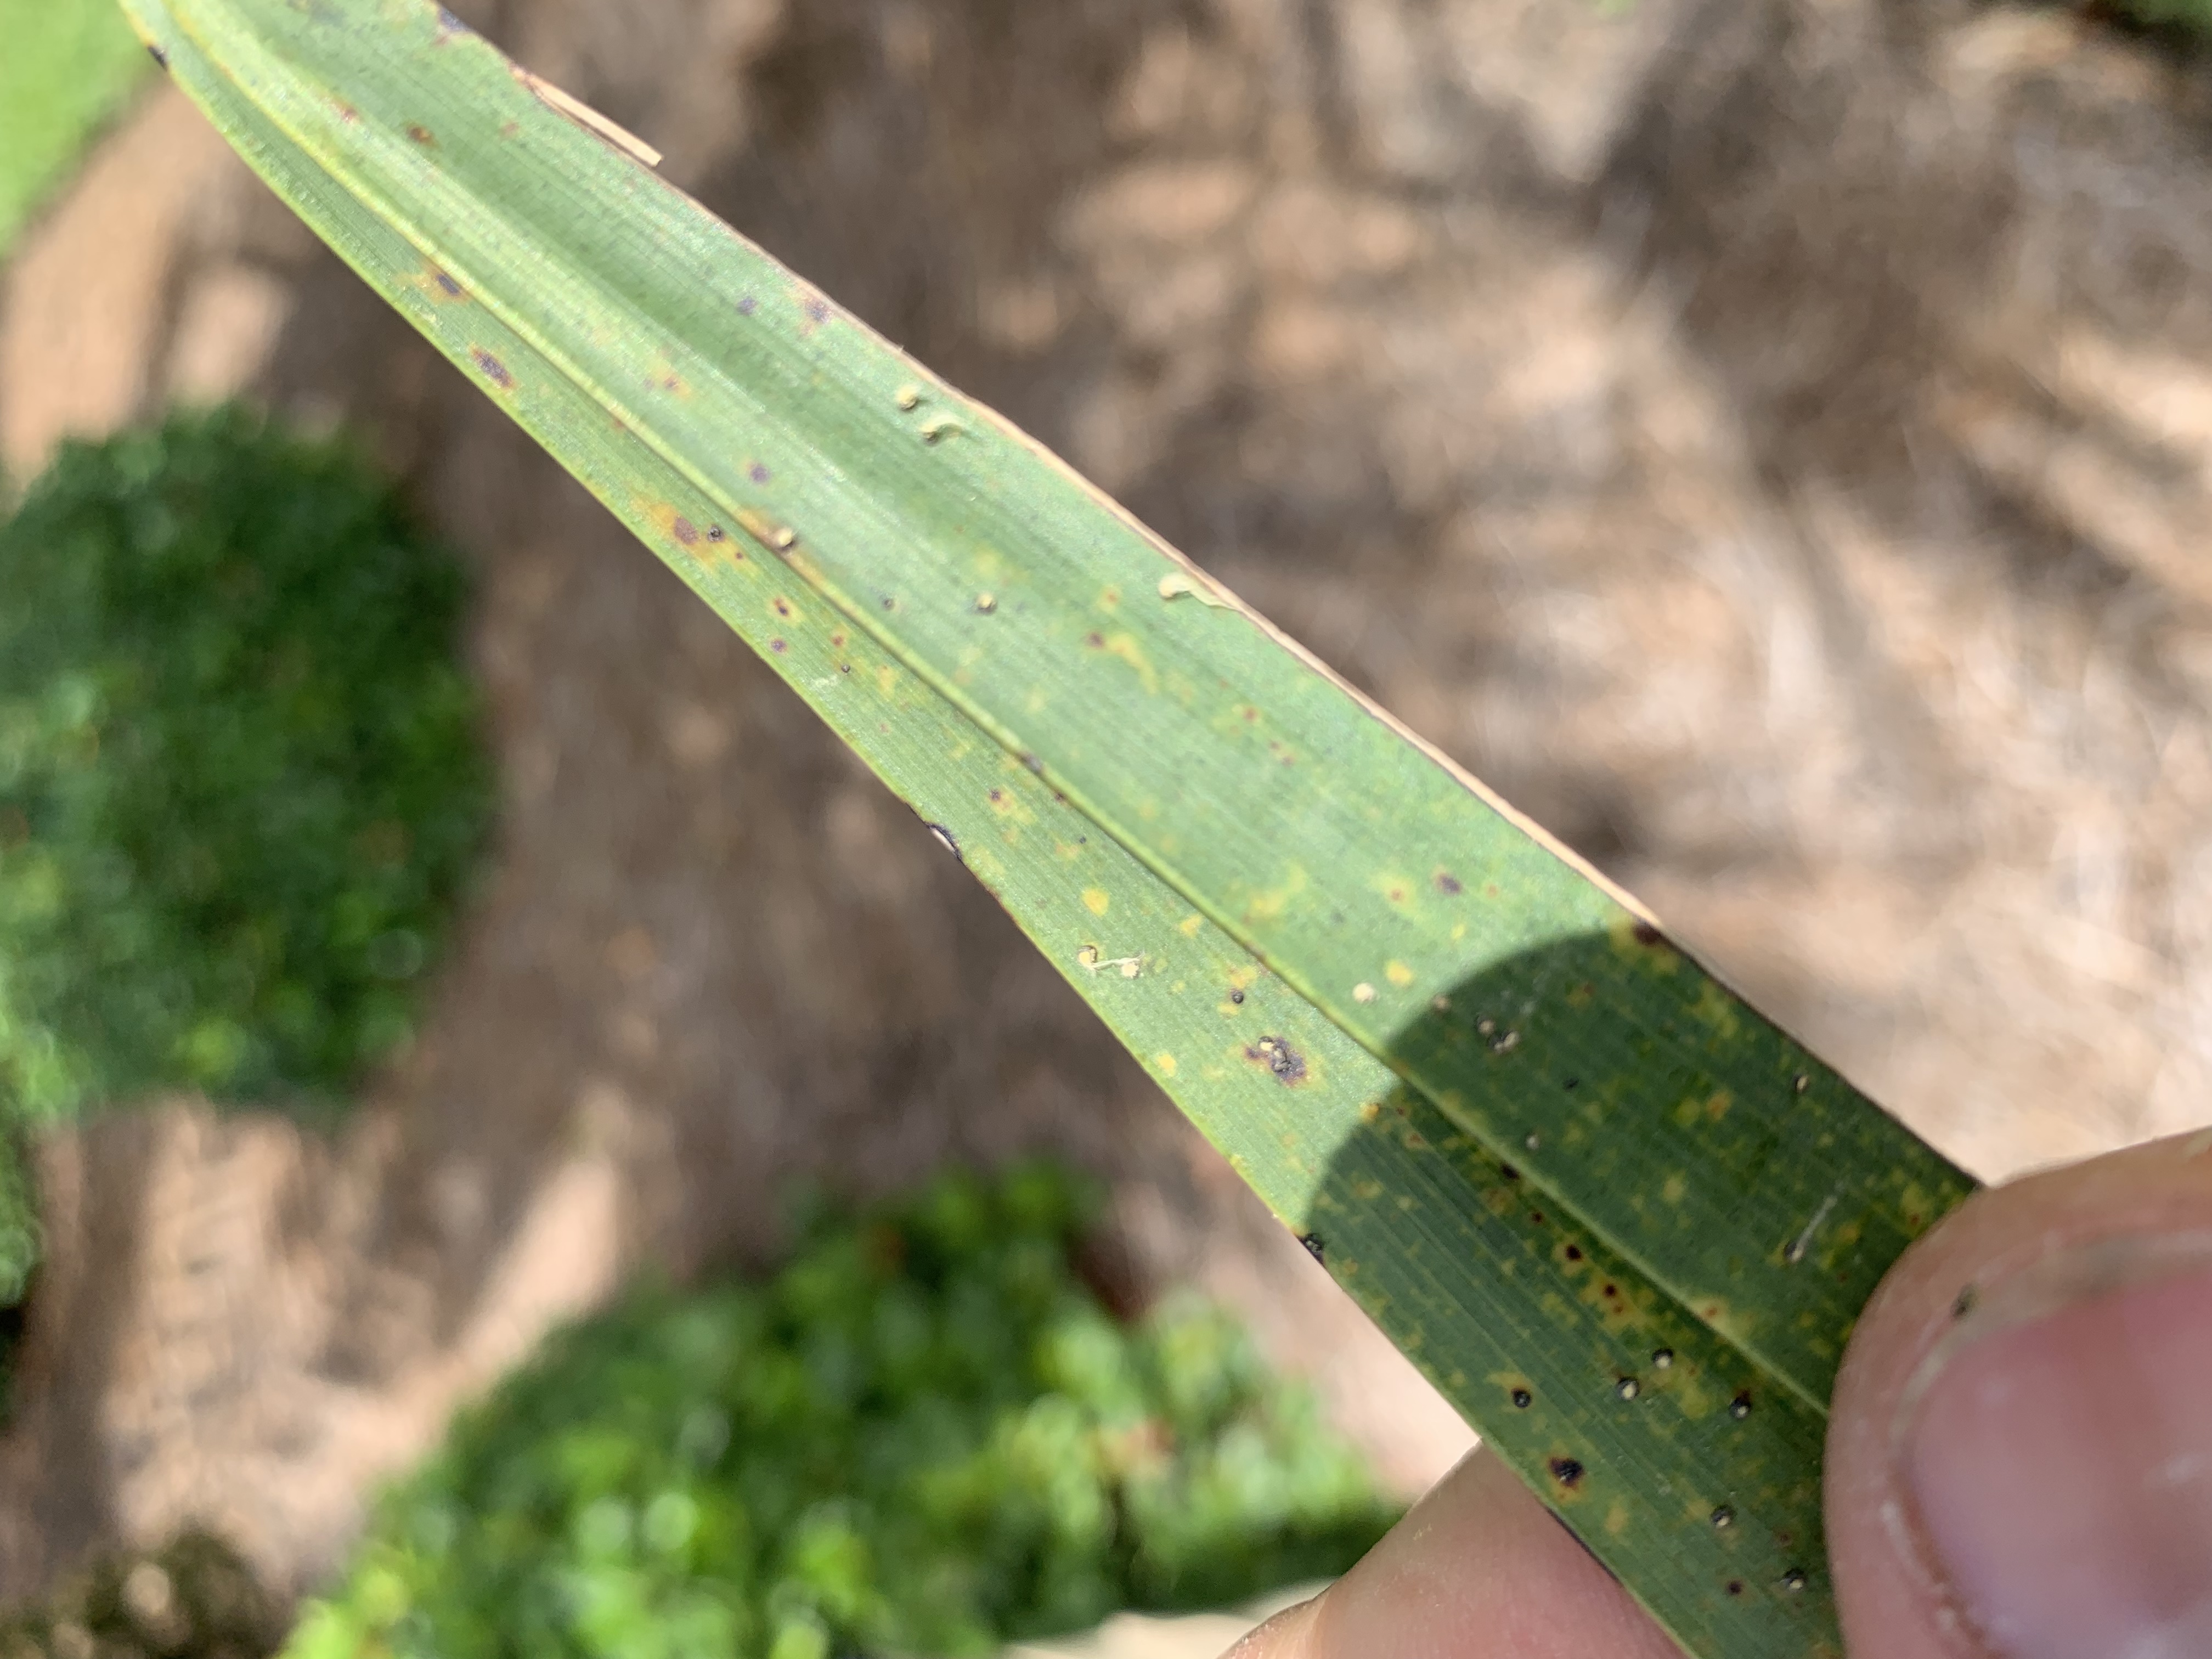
(1769, 439)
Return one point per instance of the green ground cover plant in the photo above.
(923, 1436)
(65, 67)
(241, 784)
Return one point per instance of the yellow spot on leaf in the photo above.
(1125, 646)
(1717, 1009)
(1164, 1063)
(1097, 901)
(1190, 925)
(1269, 903)
(1395, 889)
(1676, 1187)
(1398, 974)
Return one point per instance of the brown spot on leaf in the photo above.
(1646, 934)
(423, 135)
(747, 306)
(757, 473)
(1567, 1471)
(782, 606)
(1448, 883)
(683, 530)
(447, 285)
(493, 370)
(157, 54)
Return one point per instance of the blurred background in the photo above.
(1771, 440)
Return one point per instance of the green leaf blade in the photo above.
(1538, 1144)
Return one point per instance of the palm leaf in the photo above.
(1622, 1221)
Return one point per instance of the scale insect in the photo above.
(1177, 585)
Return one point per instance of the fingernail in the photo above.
(2058, 1448)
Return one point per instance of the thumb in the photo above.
(2020, 1456)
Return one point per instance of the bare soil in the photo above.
(1771, 439)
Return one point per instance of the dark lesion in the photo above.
(1288, 1066)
